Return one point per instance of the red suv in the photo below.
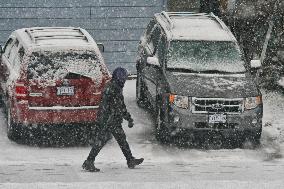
(51, 76)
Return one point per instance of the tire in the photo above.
(1, 101)
(256, 137)
(162, 133)
(13, 132)
(253, 139)
(140, 92)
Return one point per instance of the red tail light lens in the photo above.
(21, 91)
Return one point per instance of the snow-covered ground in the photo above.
(29, 167)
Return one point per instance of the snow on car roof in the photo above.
(199, 28)
(54, 36)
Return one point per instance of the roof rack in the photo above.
(31, 35)
(32, 32)
(168, 15)
(58, 37)
(219, 21)
(187, 14)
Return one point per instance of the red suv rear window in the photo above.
(47, 65)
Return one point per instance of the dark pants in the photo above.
(101, 139)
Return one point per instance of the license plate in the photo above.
(217, 118)
(65, 91)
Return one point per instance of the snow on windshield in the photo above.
(202, 56)
(50, 66)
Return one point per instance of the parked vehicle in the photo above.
(192, 73)
(51, 75)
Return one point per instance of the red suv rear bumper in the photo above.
(23, 114)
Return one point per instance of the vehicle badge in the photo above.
(65, 82)
(217, 106)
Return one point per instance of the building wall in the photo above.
(118, 24)
(184, 5)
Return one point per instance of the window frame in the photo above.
(5, 50)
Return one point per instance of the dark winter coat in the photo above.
(112, 109)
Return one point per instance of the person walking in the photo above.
(111, 113)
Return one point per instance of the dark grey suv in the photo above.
(192, 73)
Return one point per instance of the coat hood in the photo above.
(119, 75)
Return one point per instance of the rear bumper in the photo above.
(23, 114)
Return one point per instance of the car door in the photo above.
(152, 72)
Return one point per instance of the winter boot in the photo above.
(133, 162)
(89, 166)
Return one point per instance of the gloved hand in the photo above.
(130, 123)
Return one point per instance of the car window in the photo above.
(8, 46)
(154, 39)
(150, 27)
(161, 48)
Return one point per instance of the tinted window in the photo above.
(150, 27)
(8, 46)
(161, 48)
(205, 56)
(154, 39)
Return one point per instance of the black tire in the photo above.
(162, 132)
(140, 92)
(256, 137)
(253, 139)
(1, 101)
(13, 132)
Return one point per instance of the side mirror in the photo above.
(255, 64)
(153, 61)
(101, 47)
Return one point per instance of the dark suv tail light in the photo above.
(21, 91)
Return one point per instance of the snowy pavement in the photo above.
(30, 167)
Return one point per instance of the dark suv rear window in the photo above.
(47, 65)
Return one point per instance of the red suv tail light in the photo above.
(21, 91)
